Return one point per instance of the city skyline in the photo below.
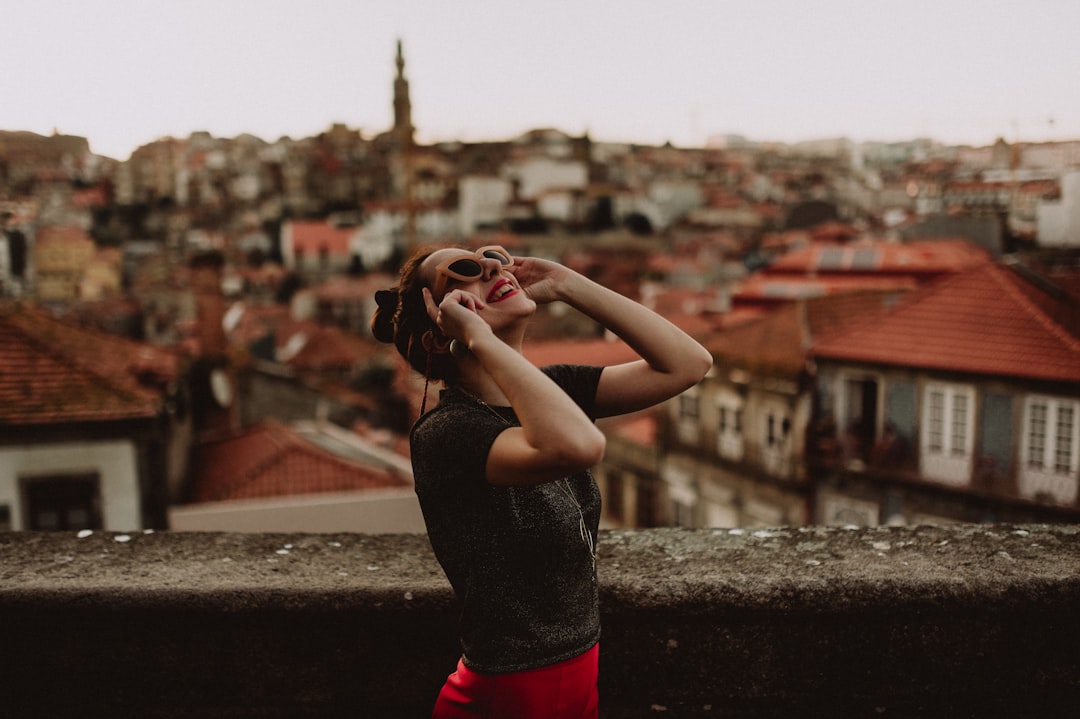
(123, 73)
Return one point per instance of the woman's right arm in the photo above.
(556, 438)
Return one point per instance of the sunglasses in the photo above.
(466, 268)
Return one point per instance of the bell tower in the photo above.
(403, 127)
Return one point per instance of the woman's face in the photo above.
(505, 302)
(496, 284)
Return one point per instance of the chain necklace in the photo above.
(563, 484)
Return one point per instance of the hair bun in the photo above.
(382, 321)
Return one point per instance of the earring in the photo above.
(458, 349)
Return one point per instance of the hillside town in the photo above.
(184, 337)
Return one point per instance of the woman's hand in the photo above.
(457, 314)
(542, 280)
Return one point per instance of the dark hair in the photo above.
(401, 318)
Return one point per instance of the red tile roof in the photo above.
(315, 236)
(342, 287)
(989, 320)
(640, 429)
(761, 288)
(779, 341)
(309, 345)
(924, 257)
(272, 460)
(53, 372)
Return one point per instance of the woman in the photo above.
(501, 465)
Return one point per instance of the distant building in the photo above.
(1059, 220)
(825, 268)
(961, 404)
(61, 255)
(733, 447)
(317, 248)
(94, 429)
(305, 477)
(956, 402)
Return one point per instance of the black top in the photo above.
(522, 571)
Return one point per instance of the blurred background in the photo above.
(871, 219)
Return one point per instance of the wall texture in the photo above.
(977, 620)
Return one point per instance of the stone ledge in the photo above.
(925, 621)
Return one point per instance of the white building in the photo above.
(1058, 221)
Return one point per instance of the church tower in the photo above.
(401, 158)
(403, 127)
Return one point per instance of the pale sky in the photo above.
(123, 73)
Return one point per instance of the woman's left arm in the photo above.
(671, 361)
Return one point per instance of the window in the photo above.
(948, 421)
(729, 434)
(948, 433)
(936, 419)
(730, 420)
(1050, 435)
(777, 428)
(688, 406)
(687, 425)
(865, 258)
(1063, 447)
(64, 503)
(774, 456)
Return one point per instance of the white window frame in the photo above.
(729, 434)
(947, 422)
(775, 445)
(1050, 458)
(688, 416)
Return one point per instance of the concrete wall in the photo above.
(976, 620)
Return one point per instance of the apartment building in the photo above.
(962, 404)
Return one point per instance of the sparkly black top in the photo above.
(522, 572)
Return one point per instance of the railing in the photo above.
(965, 621)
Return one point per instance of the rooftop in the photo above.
(52, 371)
(989, 320)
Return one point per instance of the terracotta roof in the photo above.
(308, 345)
(53, 372)
(272, 460)
(779, 341)
(912, 258)
(342, 287)
(314, 236)
(761, 287)
(333, 348)
(640, 429)
(989, 320)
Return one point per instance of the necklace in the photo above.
(563, 484)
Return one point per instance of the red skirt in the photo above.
(566, 690)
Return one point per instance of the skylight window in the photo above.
(831, 258)
(866, 258)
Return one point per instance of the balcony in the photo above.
(970, 620)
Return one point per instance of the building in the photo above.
(960, 404)
(733, 447)
(94, 429)
(1058, 220)
(303, 477)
